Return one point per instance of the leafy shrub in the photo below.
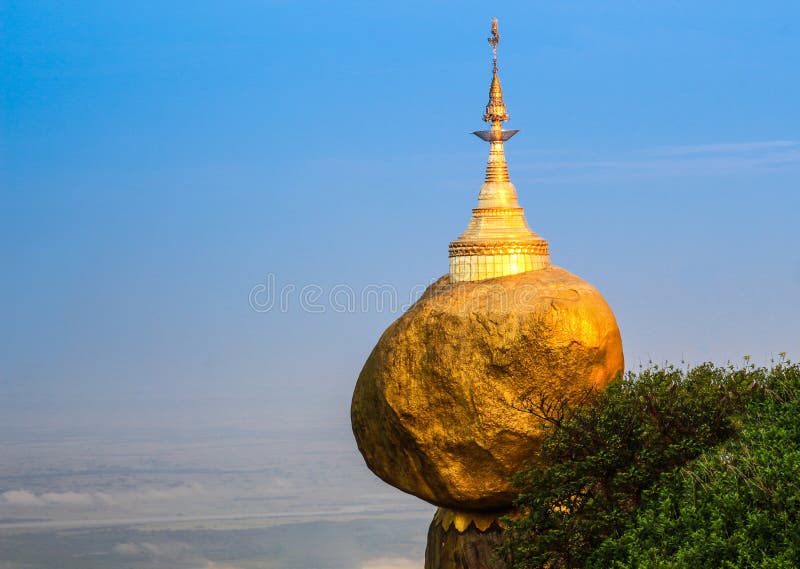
(736, 506)
(601, 458)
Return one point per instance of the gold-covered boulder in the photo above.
(440, 407)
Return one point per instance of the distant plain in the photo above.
(200, 499)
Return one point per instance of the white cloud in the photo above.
(127, 549)
(664, 162)
(214, 565)
(392, 563)
(21, 498)
(158, 494)
(70, 499)
(726, 148)
(169, 553)
(276, 486)
(12, 565)
(167, 549)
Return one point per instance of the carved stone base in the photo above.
(458, 540)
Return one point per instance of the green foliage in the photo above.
(736, 506)
(601, 458)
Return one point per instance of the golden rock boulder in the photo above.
(440, 407)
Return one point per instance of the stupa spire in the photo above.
(496, 108)
(498, 241)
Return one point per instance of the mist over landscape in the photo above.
(189, 494)
(198, 201)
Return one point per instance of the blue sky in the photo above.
(159, 160)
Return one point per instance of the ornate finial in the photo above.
(496, 109)
(493, 41)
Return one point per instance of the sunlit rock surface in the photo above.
(439, 409)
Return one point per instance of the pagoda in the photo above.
(497, 241)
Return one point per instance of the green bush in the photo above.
(736, 506)
(601, 459)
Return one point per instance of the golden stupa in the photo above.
(498, 241)
(441, 408)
